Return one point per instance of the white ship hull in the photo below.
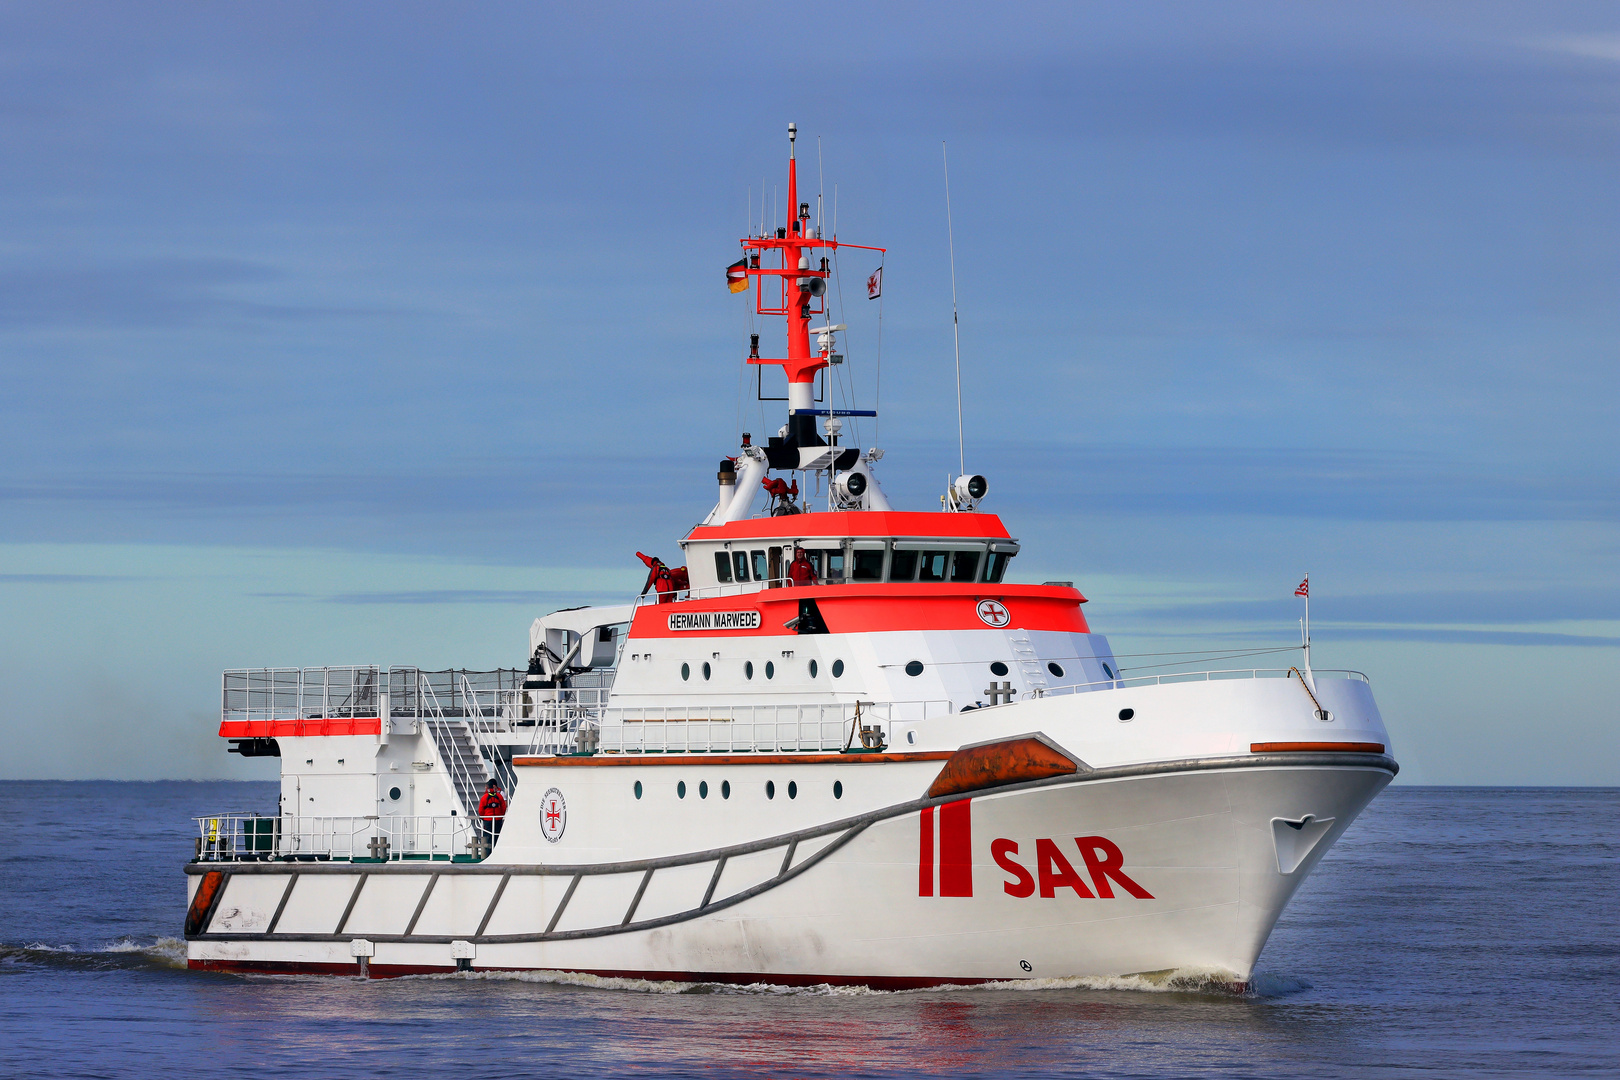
(879, 885)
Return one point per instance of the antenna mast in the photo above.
(956, 328)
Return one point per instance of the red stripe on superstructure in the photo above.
(925, 852)
(956, 848)
(878, 607)
(857, 523)
(274, 729)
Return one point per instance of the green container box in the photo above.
(260, 834)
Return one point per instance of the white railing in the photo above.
(238, 837)
(770, 728)
(1195, 676)
(487, 699)
(302, 693)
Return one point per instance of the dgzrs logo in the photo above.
(993, 613)
(553, 815)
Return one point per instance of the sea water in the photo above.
(1452, 932)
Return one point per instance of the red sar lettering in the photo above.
(1104, 862)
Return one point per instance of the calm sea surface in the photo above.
(1453, 932)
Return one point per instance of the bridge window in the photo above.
(965, 565)
(903, 566)
(934, 565)
(739, 559)
(997, 565)
(868, 564)
(722, 566)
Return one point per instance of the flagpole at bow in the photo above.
(1305, 627)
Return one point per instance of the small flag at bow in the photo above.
(737, 275)
(874, 284)
(1304, 588)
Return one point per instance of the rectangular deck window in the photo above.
(867, 564)
(935, 564)
(739, 559)
(965, 565)
(722, 566)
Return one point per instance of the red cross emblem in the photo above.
(553, 815)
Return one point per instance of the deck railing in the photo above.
(237, 837)
(1196, 676)
(768, 728)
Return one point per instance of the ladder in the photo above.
(458, 752)
(1023, 651)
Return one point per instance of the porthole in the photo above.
(770, 789)
(838, 669)
(1126, 714)
(680, 789)
(1108, 671)
(915, 668)
(793, 789)
(725, 789)
(748, 670)
(686, 672)
(813, 669)
(911, 737)
(706, 671)
(703, 789)
(393, 793)
(998, 669)
(638, 789)
(770, 669)
(1056, 669)
(838, 789)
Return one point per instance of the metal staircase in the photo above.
(458, 750)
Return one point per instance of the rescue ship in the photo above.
(841, 745)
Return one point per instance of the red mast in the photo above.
(801, 273)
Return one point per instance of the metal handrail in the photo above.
(244, 837)
(1191, 676)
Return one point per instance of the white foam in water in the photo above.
(166, 949)
(1181, 980)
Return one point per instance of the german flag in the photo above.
(737, 275)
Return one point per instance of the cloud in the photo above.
(459, 596)
(146, 293)
(1596, 46)
(63, 579)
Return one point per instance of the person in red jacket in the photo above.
(492, 812)
(801, 570)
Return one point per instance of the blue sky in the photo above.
(367, 333)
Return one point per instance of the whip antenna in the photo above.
(956, 328)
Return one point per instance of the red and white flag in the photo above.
(1304, 588)
(874, 284)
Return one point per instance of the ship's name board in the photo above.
(714, 620)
